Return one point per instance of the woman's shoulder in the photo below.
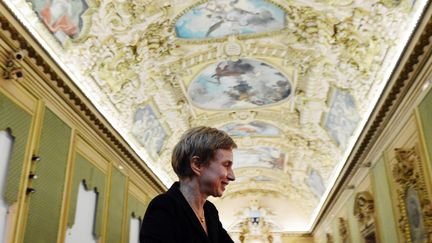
(162, 205)
(161, 200)
(210, 207)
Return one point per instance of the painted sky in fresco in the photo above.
(238, 84)
(148, 130)
(343, 117)
(62, 18)
(229, 17)
(255, 128)
(266, 157)
(258, 179)
(315, 183)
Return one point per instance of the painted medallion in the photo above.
(266, 157)
(342, 119)
(239, 84)
(255, 128)
(61, 17)
(148, 130)
(219, 18)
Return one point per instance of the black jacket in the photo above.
(170, 219)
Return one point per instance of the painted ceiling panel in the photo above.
(315, 183)
(238, 85)
(148, 130)
(64, 19)
(342, 118)
(266, 157)
(255, 128)
(258, 179)
(214, 19)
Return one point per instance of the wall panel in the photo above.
(116, 206)
(45, 205)
(425, 115)
(94, 180)
(136, 210)
(383, 203)
(19, 122)
(353, 224)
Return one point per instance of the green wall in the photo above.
(425, 111)
(116, 206)
(94, 180)
(19, 122)
(353, 225)
(135, 208)
(383, 204)
(45, 205)
(335, 230)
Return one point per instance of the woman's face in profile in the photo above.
(217, 174)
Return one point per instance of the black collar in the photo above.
(212, 225)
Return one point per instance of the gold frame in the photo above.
(407, 173)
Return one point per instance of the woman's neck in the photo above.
(191, 191)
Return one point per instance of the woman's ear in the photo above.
(196, 166)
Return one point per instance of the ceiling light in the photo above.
(426, 85)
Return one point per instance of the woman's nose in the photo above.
(231, 175)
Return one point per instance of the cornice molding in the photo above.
(65, 88)
(401, 81)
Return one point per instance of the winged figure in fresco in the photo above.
(231, 68)
(243, 91)
(231, 13)
(215, 26)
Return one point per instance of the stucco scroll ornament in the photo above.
(116, 65)
(167, 82)
(343, 230)
(158, 40)
(329, 238)
(415, 220)
(364, 211)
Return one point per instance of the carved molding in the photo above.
(364, 210)
(13, 70)
(82, 107)
(382, 114)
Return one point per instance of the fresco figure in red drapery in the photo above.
(63, 16)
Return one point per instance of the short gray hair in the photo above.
(198, 141)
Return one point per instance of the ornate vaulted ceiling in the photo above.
(292, 81)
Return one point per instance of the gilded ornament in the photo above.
(364, 210)
(158, 39)
(343, 229)
(415, 218)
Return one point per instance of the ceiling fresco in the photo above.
(148, 130)
(292, 81)
(64, 19)
(239, 84)
(342, 118)
(214, 19)
(266, 157)
(251, 129)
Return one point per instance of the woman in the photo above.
(202, 160)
